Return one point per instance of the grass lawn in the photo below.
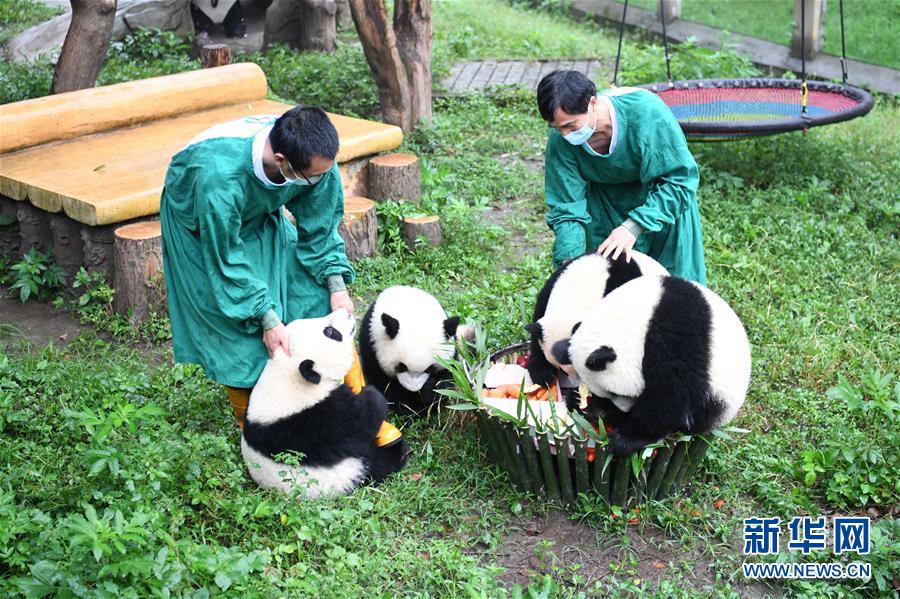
(871, 25)
(120, 474)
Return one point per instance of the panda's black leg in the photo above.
(604, 408)
(542, 372)
(387, 460)
(656, 413)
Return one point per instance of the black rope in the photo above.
(802, 55)
(843, 45)
(621, 35)
(662, 18)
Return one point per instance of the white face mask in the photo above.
(299, 180)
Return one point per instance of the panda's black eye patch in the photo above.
(333, 333)
(401, 367)
(431, 369)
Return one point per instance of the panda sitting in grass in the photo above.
(661, 355)
(301, 405)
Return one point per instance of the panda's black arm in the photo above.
(372, 409)
(541, 371)
(659, 411)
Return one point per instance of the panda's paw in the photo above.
(622, 445)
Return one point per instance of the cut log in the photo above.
(215, 55)
(34, 228)
(140, 287)
(67, 245)
(359, 229)
(395, 177)
(427, 227)
(99, 249)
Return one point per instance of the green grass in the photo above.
(871, 25)
(18, 15)
(121, 476)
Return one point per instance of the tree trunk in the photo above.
(427, 227)
(394, 177)
(139, 283)
(343, 18)
(359, 229)
(399, 56)
(85, 47)
(303, 24)
(215, 55)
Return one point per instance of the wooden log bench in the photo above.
(75, 166)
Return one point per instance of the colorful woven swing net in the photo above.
(724, 109)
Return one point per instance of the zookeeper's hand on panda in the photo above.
(277, 337)
(620, 240)
(341, 299)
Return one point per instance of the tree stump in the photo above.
(428, 227)
(34, 228)
(215, 55)
(139, 283)
(395, 177)
(359, 229)
(99, 250)
(67, 245)
(10, 242)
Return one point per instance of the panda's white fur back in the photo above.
(421, 334)
(730, 356)
(313, 482)
(577, 290)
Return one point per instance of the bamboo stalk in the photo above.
(518, 458)
(532, 461)
(696, 453)
(619, 493)
(672, 471)
(601, 475)
(565, 473)
(660, 463)
(547, 464)
(581, 467)
(643, 478)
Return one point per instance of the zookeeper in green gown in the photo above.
(236, 268)
(618, 175)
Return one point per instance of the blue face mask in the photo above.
(581, 135)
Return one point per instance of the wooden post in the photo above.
(139, 284)
(394, 177)
(671, 10)
(34, 228)
(359, 229)
(428, 227)
(10, 242)
(99, 250)
(67, 246)
(815, 27)
(215, 55)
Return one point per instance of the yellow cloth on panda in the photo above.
(388, 433)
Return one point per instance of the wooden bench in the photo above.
(75, 165)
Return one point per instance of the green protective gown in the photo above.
(230, 255)
(649, 176)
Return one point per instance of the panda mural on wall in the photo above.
(402, 333)
(300, 404)
(665, 354)
(567, 297)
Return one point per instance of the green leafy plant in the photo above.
(35, 276)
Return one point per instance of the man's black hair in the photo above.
(303, 132)
(569, 90)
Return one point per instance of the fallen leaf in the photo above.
(659, 565)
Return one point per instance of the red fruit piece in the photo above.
(522, 360)
(719, 504)
(609, 429)
(634, 520)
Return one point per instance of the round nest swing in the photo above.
(723, 109)
(726, 109)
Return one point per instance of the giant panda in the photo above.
(568, 295)
(300, 404)
(402, 333)
(670, 354)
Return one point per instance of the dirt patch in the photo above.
(578, 554)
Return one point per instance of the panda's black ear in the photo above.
(450, 326)
(561, 352)
(308, 372)
(391, 324)
(535, 330)
(575, 328)
(600, 357)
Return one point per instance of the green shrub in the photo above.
(18, 15)
(647, 63)
(36, 276)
